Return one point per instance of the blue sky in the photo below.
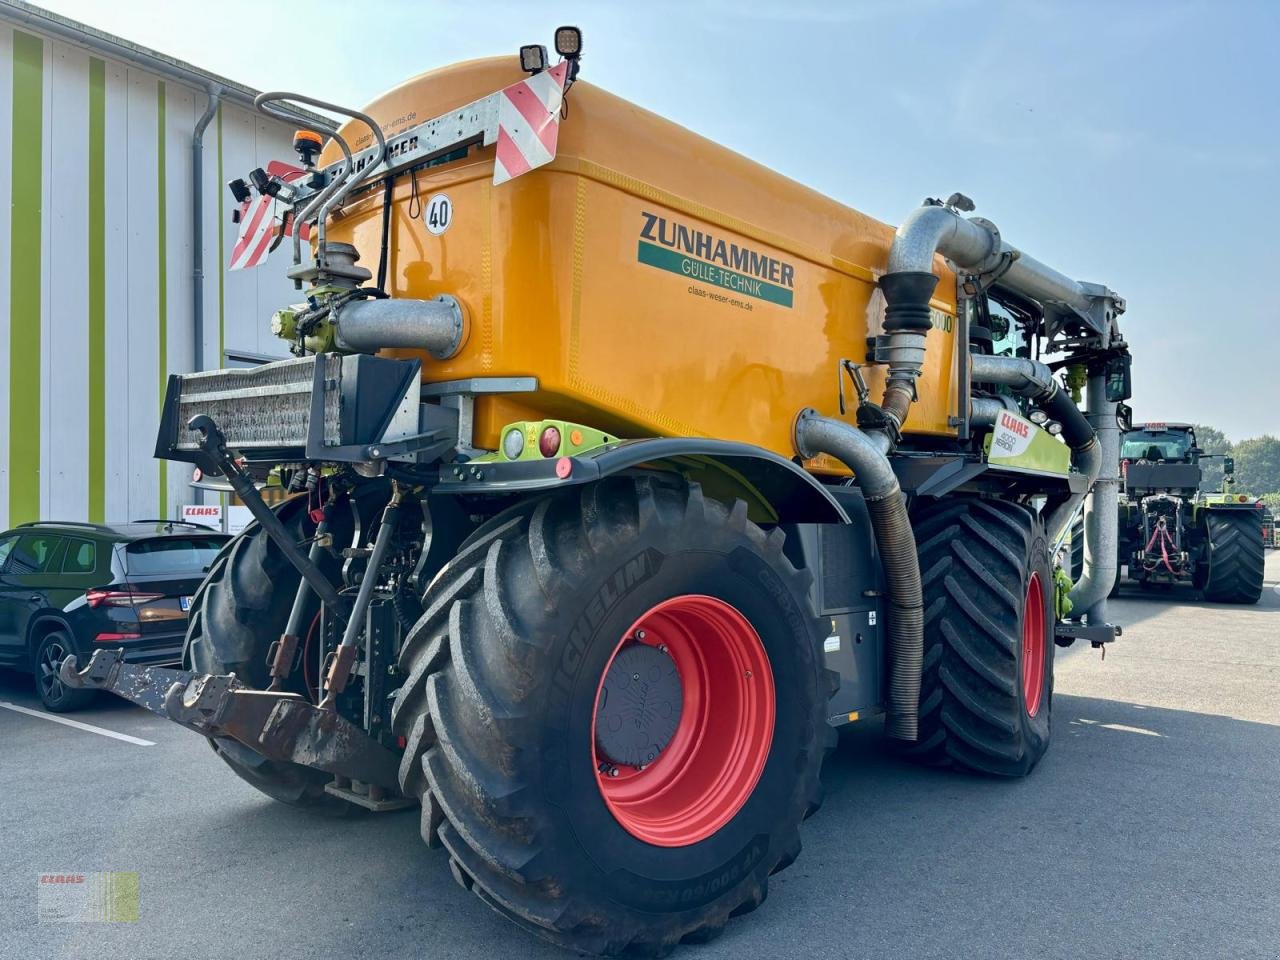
(1135, 144)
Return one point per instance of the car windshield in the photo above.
(1156, 445)
(171, 556)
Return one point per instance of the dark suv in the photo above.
(70, 587)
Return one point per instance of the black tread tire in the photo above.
(505, 661)
(1237, 558)
(976, 559)
(239, 610)
(69, 699)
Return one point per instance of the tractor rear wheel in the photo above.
(987, 689)
(615, 714)
(240, 609)
(1233, 572)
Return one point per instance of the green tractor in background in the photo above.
(1172, 532)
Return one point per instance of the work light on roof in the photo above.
(569, 42)
(533, 58)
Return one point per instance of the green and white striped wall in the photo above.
(95, 274)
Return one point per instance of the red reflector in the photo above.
(113, 637)
(564, 467)
(400, 742)
(549, 442)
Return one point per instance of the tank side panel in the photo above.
(653, 281)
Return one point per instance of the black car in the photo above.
(73, 587)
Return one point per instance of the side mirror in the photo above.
(1119, 378)
(1228, 465)
(1124, 417)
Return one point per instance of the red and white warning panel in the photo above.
(529, 123)
(265, 221)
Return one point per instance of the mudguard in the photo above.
(775, 489)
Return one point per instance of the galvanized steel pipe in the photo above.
(933, 229)
(1102, 511)
(437, 326)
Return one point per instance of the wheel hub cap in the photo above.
(639, 706)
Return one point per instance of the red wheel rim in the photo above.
(706, 771)
(1033, 646)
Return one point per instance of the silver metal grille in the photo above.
(261, 407)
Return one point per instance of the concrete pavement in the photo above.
(1149, 830)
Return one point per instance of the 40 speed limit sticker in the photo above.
(438, 214)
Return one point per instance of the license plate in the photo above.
(184, 603)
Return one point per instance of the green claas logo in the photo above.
(680, 249)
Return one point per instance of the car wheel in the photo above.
(53, 693)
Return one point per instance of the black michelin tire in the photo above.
(977, 561)
(503, 671)
(239, 610)
(1237, 559)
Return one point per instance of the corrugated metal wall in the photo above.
(95, 274)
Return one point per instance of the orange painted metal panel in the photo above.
(654, 282)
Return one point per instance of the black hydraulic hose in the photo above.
(388, 187)
(1076, 430)
(896, 542)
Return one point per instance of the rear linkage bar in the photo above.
(275, 723)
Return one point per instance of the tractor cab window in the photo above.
(1157, 445)
(1006, 335)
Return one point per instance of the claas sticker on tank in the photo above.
(689, 252)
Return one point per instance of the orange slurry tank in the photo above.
(654, 282)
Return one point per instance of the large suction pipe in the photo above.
(1102, 511)
(866, 455)
(437, 326)
(976, 245)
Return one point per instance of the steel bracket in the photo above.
(1067, 633)
(274, 723)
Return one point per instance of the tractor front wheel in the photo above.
(987, 688)
(615, 715)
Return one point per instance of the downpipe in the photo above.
(866, 455)
(1102, 510)
(437, 326)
